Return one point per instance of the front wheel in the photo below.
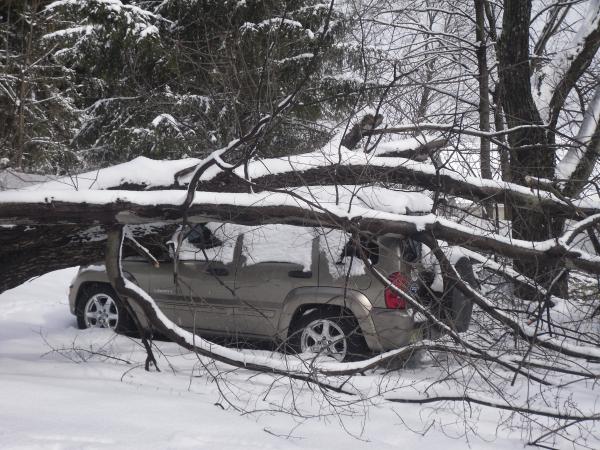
(99, 307)
(329, 333)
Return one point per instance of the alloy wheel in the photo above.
(101, 312)
(324, 337)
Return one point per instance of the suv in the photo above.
(303, 287)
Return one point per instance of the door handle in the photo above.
(217, 271)
(300, 274)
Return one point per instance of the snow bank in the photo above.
(54, 399)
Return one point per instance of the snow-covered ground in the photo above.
(64, 388)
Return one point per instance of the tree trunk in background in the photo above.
(499, 126)
(484, 89)
(24, 90)
(497, 103)
(531, 155)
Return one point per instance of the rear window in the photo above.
(410, 250)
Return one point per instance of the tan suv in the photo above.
(302, 287)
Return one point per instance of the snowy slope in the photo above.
(71, 399)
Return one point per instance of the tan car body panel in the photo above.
(382, 328)
(97, 274)
(355, 301)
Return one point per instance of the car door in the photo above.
(203, 298)
(275, 259)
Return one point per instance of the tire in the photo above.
(98, 306)
(462, 307)
(338, 330)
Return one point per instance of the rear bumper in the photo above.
(394, 328)
(86, 274)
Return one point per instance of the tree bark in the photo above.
(537, 162)
(484, 89)
(409, 174)
(258, 209)
(30, 251)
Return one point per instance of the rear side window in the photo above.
(368, 247)
(343, 256)
(212, 241)
(278, 243)
(201, 237)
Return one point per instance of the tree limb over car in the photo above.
(292, 208)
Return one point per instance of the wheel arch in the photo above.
(300, 301)
(87, 277)
(97, 276)
(87, 285)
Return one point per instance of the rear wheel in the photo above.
(99, 307)
(328, 332)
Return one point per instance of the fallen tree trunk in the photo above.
(30, 251)
(117, 207)
(27, 251)
(390, 171)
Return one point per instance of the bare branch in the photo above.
(568, 66)
(493, 404)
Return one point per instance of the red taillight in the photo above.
(392, 299)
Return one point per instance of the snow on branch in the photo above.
(110, 5)
(521, 329)
(352, 167)
(580, 159)
(292, 208)
(331, 162)
(553, 82)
